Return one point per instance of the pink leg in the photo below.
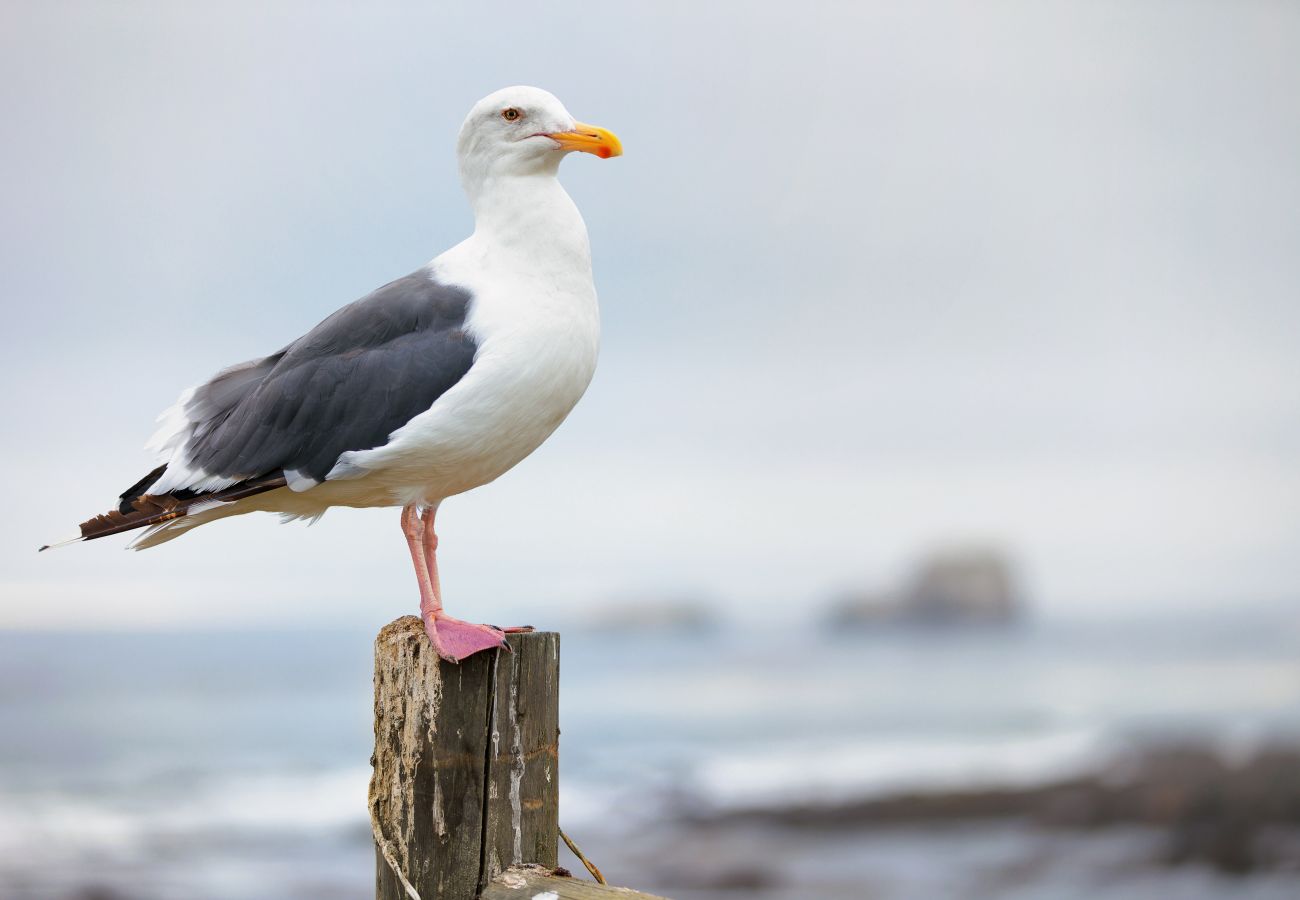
(429, 541)
(453, 639)
(412, 528)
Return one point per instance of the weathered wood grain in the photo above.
(527, 882)
(465, 780)
(523, 780)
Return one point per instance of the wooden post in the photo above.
(466, 780)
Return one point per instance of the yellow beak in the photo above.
(589, 139)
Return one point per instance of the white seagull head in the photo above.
(524, 131)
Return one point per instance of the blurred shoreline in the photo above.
(1052, 760)
(1237, 815)
(1184, 812)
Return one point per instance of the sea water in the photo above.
(233, 765)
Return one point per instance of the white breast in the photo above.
(535, 320)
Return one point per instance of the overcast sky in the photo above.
(874, 277)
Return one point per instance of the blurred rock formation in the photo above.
(959, 586)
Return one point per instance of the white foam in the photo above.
(72, 827)
(824, 770)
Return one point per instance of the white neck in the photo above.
(531, 218)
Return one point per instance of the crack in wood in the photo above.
(489, 748)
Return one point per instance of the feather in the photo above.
(143, 510)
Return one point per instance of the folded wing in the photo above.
(285, 420)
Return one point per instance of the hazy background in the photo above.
(871, 277)
(875, 278)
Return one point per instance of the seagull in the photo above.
(430, 386)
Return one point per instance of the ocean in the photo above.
(233, 765)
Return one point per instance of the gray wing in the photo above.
(347, 384)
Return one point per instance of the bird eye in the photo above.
(511, 114)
